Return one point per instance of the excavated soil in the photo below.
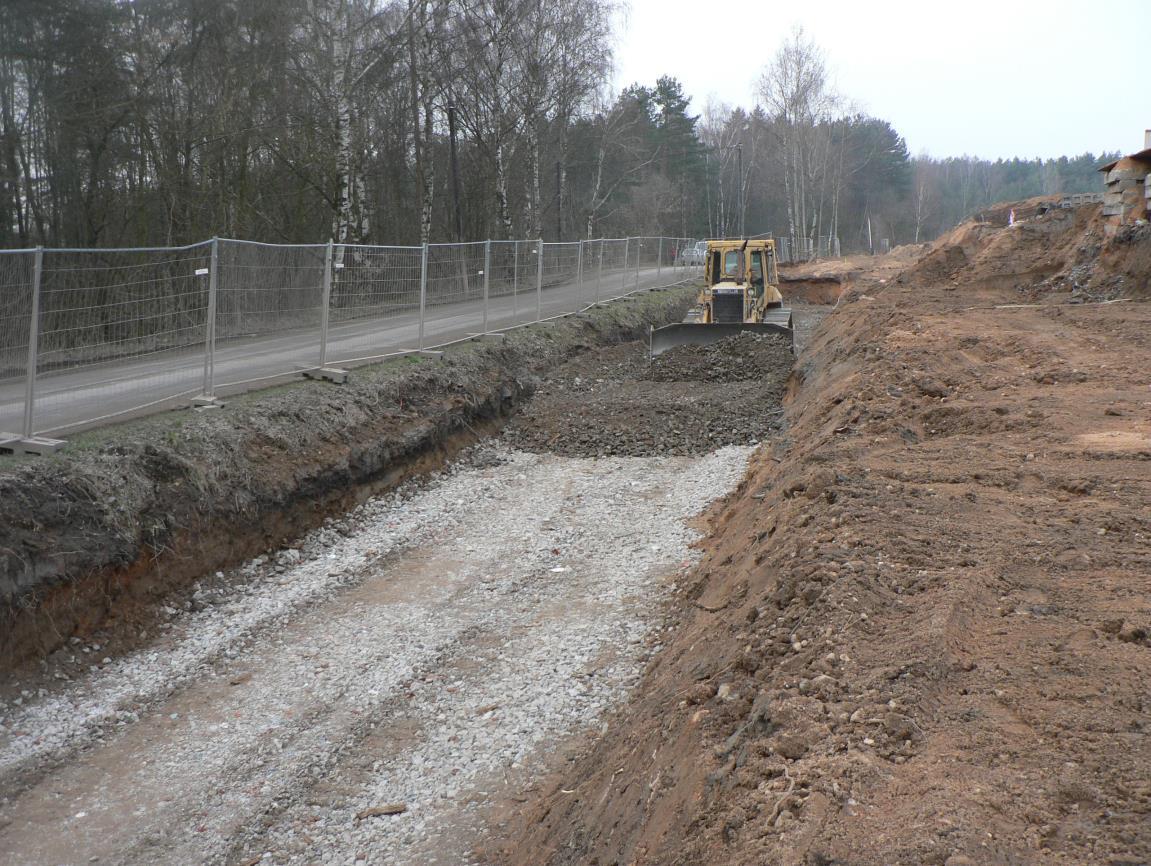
(921, 629)
(689, 400)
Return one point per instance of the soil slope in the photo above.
(919, 633)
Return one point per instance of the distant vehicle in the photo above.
(694, 254)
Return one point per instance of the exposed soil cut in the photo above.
(689, 400)
(920, 632)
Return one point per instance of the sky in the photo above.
(971, 77)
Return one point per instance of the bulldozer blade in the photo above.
(671, 336)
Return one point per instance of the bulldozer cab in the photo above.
(746, 267)
(741, 262)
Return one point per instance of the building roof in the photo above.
(1141, 156)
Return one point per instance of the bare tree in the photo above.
(795, 90)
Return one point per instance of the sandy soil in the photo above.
(920, 632)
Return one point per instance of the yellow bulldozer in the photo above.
(739, 294)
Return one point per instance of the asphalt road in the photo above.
(87, 396)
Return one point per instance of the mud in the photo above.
(689, 400)
(93, 538)
(920, 632)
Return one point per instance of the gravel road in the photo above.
(424, 656)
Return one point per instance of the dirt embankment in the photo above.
(920, 632)
(126, 515)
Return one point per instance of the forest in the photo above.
(157, 122)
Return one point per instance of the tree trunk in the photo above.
(342, 222)
(503, 211)
(531, 134)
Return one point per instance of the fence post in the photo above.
(33, 344)
(487, 277)
(325, 306)
(540, 282)
(626, 258)
(515, 278)
(599, 271)
(423, 294)
(579, 273)
(638, 256)
(659, 259)
(210, 325)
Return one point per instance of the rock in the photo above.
(378, 811)
(701, 693)
(1111, 626)
(899, 726)
(1132, 634)
(931, 388)
(727, 693)
(790, 746)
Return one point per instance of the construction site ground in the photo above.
(920, 630)
(367, 694)
(885, 604)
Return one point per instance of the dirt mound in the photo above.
(690, 400)
(1042, 256)
(741, 358)
(1104, 269)
(920, 634)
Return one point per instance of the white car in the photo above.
(694, 254)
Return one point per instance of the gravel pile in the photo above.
(690, 400)
(742, 358)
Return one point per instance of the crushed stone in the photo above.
(690, 400)
(421, 652)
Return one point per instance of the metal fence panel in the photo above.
(456, 274)
(560, 270)
(376, 285)
(268, 311)
(116, 324)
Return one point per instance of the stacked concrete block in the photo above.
(1128, 194)
(1079, 199)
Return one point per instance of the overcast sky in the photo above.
(991, 79)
